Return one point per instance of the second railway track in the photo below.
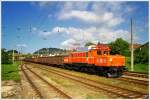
(121, 92)
(136, 74)
(135, 81)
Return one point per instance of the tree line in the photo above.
(6, 57)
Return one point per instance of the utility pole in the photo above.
(13, 58)
(132, 49)
(38, 52)
(21, 54)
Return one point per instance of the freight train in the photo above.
(96, 60)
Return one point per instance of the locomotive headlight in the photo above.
(110, 59)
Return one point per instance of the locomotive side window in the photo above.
(86, 54)
(99, 52)
(105, 52)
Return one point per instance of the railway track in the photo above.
(132, 80)
(31, 83)
(136, 74)
(120, 92)
(135, 81)
(61, 93)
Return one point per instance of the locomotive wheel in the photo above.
(119, 74)
(108, 75)
(111, 75)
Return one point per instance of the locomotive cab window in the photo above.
(106, 52)
(86, 54)
(99, 52)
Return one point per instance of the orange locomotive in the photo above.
(97, 60)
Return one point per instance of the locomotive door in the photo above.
(90, 57)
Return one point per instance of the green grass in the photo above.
(10, 71)
(137, 67)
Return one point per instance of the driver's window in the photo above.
(105, 52)
(99, 52)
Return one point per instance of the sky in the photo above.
(29, 26)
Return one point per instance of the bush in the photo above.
(120, 46)
(141, 54)
(6, 58)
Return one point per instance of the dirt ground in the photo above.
(11, 89)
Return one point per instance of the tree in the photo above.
(141, 54)
(120, 46)
(29, 55)
(6, 59)
(11, 51)
(88, 44)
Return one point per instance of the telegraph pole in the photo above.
(13, 58)
(38, 52)
(132, 49)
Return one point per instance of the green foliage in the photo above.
(88, 44)
(10, 71)
(11, 51)
(28, 55)
(137, 67)
(141, 54)
(120, 46)
(49, 50)
(6, 58)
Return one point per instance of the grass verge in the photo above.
(137, 67)
(10, 71)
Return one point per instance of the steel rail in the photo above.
(58, 90)
(31, 83)
(109, 88)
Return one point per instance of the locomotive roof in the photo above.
(100, 47)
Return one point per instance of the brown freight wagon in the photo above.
(54, 60)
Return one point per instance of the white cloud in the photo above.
(76, 37)
(68, 6)
(101, 20)
(82, 15)
(40, 4)
(34, 29)
(43, 3)
(109, 14)
(130, 9)
(70, 43)
(107, 18)
(21, 45)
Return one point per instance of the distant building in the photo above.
(135, 46)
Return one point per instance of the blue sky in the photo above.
(35, 25)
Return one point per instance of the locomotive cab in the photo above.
(111, 65)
